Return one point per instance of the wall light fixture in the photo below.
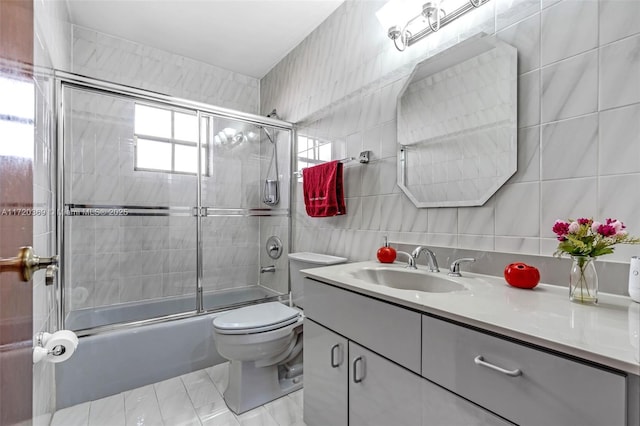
(404, 27)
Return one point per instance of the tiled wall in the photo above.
(52, 39)
(113, 59)
(578, 119)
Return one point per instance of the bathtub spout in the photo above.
(264, 269)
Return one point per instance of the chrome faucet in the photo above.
(271, 268)
(411, 262)
(454, 269)
(431, 257)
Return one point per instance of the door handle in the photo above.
(479, 360)
(356, 378)
(26, 263)
(336, 360)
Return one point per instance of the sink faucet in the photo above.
(431, 257)
(411, 262)
(454, 269)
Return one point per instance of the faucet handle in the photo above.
(411, 261)
(454, 269)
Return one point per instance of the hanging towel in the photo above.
(323, 190)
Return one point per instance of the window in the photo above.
(312, 151)
(167, 141)
(16, 117)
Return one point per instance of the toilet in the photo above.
(263, 342)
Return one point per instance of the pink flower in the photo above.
(595, 226)
(619, 226)
(606, 230)
(561, 228)
(574, 228)
(584, 221)
(622, 233)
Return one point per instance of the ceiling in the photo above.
(245, 36)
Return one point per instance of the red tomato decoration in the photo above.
(522, 275)
(386, 254)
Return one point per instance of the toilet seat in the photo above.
(256, 319)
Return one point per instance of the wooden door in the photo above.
(16, 202)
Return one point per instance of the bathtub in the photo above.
(112, 362)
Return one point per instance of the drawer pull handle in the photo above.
(336, 360)
(512, 373)
(359, 360)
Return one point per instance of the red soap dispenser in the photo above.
(386, 254)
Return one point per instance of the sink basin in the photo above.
(406, 279)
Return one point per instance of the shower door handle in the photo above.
(26, 263)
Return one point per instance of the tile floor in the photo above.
(191, 399)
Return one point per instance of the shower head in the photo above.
(272, 114)
(266, 132)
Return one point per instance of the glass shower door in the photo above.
(167, 209)
(236, 220)
(130, 190)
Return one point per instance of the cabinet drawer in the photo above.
(389, 330)
(550, 389)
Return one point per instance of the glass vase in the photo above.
(583, 281)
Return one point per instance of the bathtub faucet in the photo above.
(264, 269)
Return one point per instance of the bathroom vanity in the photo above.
(483, 354)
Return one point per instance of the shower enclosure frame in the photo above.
(65, 79)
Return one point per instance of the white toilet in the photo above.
(264, 343)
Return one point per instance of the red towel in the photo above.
(323, 190)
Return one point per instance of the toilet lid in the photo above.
(256, 318)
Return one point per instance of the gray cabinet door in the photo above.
(443, 408)
(381, 393)
(325, 376)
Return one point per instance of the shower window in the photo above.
(312, 151)
(167, 141)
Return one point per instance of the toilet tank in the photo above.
(306, 260)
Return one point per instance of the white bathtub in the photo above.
(112, 362)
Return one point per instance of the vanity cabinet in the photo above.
(350, 382)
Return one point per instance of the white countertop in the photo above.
(607, 334)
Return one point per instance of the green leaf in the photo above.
(601, 251)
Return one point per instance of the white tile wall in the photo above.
(103, 56)
(579, 109)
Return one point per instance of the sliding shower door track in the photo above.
(85, 332)
(105, 210)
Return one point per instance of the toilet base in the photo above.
(250, 386)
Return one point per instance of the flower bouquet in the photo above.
(584, 240)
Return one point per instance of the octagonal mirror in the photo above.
(457, 125)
